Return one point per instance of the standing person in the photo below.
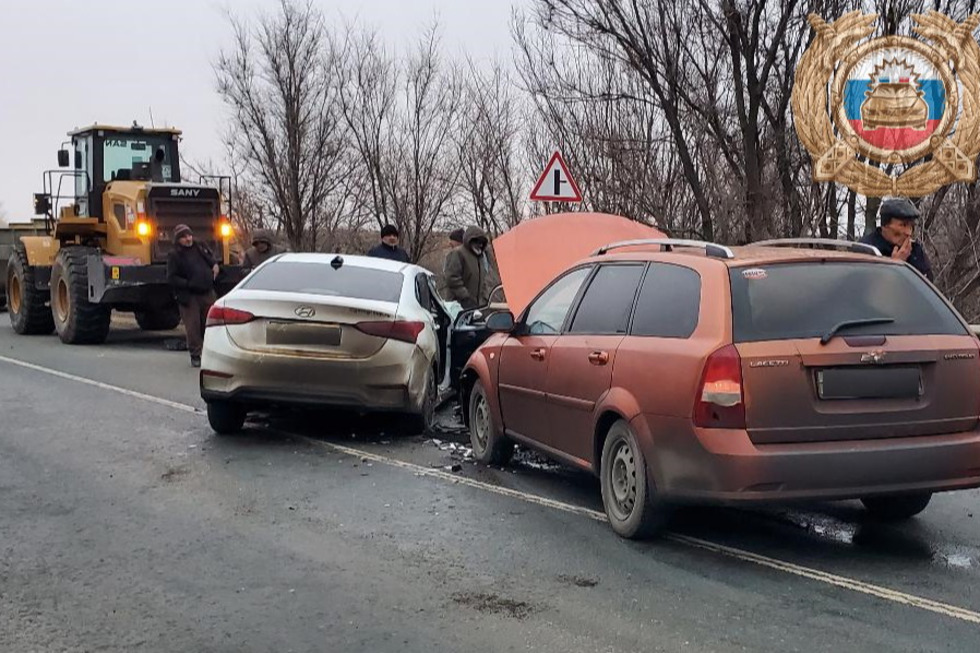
(471, 271)
(263, 248)
(894, 237)
(191, 271)
(388, 247)
(455, 240)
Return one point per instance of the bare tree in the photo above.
(489, 150)
(404, 122)
(278, 81)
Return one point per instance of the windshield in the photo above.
(321, 279)
(808, 300)
(124, 152)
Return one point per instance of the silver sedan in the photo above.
(327, 330)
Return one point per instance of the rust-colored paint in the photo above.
(791, 446)
(533, 253)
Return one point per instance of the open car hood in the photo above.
(534, 252)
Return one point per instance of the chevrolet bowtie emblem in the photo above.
(873, 357)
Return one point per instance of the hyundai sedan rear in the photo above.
(316, 330)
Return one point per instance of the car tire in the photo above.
(630, 500)
(226, 418)
(489, 447)
(77, 320)
(897, 507)
(29, 313)
(424, 421)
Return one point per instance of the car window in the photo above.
(669, 304)
(806, 300)
(321, 279)
(422, 291)
(547, 314)
(607, 302)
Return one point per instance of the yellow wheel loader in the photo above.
(109, 214)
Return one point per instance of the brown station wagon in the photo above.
(682, 371)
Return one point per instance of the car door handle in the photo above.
(538, 354)
(599, 357)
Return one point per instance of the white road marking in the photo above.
(103, 386)
(843, 582)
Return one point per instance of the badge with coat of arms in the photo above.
(894, 101)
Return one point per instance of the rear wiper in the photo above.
(846, 324)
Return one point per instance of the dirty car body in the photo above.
(759, 375)
(330, 331)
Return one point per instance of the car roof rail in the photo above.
(850, 246)
(710, 249)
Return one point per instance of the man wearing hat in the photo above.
(191, 271)
(894, 237)
(263, 248)
(388, 247)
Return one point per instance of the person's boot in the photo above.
(195, 361)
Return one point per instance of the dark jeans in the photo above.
(195, 315)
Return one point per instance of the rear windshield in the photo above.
(806, 300)
(321, 279)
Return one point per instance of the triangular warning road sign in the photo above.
(556, 184)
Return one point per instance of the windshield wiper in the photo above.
(846, 324)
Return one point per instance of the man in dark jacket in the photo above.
(263, 248)
(471, 271)
(388, 247)
(191, 271)
(894, 237)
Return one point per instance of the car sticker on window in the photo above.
(754, 274)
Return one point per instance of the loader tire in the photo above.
(29, 313)
(165, 318)
(78, 321)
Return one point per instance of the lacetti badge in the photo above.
(893, 100)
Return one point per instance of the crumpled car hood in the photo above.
(534, 252)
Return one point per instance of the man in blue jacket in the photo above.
(388, 247)
(894, 237)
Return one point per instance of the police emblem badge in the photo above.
(890, 100)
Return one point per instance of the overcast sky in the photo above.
(70, 63)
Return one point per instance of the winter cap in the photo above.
(897, 208)
(389, 230)
(181, 230)
(262, 236)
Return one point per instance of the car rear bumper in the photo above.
(725, 466)
(391, 380)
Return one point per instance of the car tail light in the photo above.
(721, 403)
(397, 330)
(222, 315)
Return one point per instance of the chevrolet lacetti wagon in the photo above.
(682, 371)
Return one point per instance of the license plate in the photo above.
(870, 383)
(305, 335)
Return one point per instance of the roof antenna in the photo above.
(152, 126)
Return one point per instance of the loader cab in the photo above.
(102, 154)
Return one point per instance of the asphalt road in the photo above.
(126, 525)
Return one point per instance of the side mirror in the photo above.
(63, 158)
(501, 322)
